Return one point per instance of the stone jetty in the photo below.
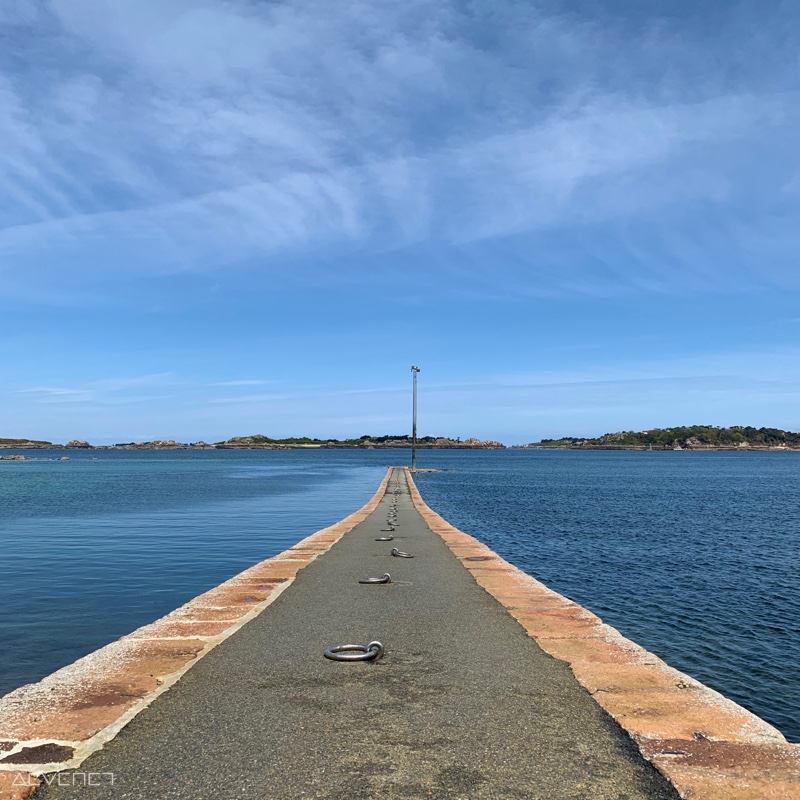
(490, 685)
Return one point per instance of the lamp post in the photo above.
(414, 371)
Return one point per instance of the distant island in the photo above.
(261, 442)
(693, 437)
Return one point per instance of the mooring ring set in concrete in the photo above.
(374, 650)
(385, 578)
(391, 520)
(355, 652)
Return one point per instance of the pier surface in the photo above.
(464, 704)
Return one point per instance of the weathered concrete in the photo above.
(464, 704)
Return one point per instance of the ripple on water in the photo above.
(693, 555)
(94, 549)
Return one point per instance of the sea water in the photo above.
(695, 556)
(94, 547)
(692, 555)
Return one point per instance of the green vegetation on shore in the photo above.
(24, 443)
(692, 437)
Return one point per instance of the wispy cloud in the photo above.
(104, 391)
(759, 387)
(121, 390)
(162, 147)
(245, 382)
(245, 196)
(56, 394)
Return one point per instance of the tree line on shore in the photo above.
(688, 437)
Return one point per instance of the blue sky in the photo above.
(223, 217)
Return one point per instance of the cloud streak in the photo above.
(758, 388)
(164, 148)
(223, 201)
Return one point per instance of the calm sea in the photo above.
(693, 555)
(94, 547)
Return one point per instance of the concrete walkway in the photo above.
(463, 705)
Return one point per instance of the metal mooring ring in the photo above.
(400, 553)
(355, 652)
(384, 539)
(385, 578)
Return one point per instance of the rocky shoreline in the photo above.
(251, 443)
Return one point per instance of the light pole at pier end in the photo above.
(414, 371)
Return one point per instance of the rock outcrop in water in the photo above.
(261, 442)
(364, 442)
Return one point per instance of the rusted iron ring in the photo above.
(385, 578)
(355, 652)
